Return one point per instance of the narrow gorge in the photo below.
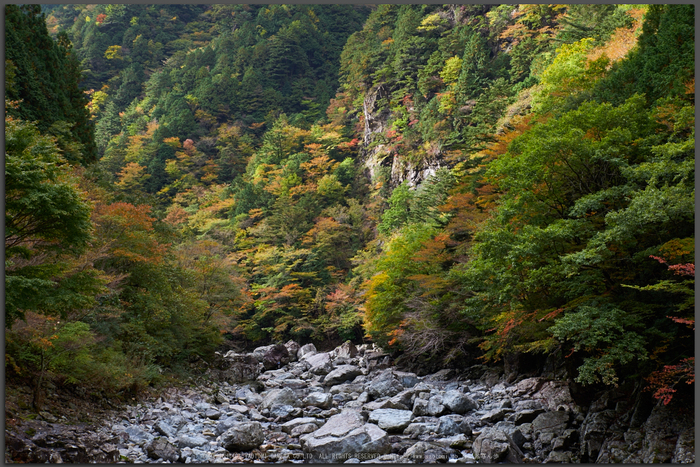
(476, 221)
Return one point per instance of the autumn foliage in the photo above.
(454, 183)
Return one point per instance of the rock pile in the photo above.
(286, 403)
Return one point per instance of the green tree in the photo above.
(49, 85)
(47, 218)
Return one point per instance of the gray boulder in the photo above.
(300, 430)
(346, 350)
(281, 413)
(191, 441)
(419, 428)
(527, 416)
(241, 367)
(306, 351)
(341, 374)
(435, 405)
(447, 426)
(259, 352)
(458, 402)
(276, 357)
(384, 403)
(290, 425)
(407, 379)
(420, 407)
(514, 433)
(495, 415)
(161, 448)
(283, 396)
(494, 445)
(293, 349)
(322, 400)
(391, 420)
(164, 428)
(319, 363)
(228, 422)
(556, 396)
(248, 396)
(344, 435)
(558, 457)
(385, 384)
(138, 435)
(551, 422)
(244, 436)
(416, 453)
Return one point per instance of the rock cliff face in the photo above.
(376, 154)
(350, 405)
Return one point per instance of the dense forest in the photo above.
(451, 182)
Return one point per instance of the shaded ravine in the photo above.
(283, 403)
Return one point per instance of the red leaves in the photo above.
(100, 18)
(687, 269)
(688, 322)
(348, 145)
(663, 382)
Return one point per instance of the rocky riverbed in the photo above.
(286, 403)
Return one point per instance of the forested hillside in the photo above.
(451, 182)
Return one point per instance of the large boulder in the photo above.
(415, 454)
(344, 436)
(138, 435)
(284, 412)
(526, 416)
(407, 379)
(290, 425)
(283, 396)
(241, 367)
(244, 436)
(494, 445)
(458, 402)
(556, 396)
(435, 405)
(551, 422)
(319, 363)
(385, 384)
(419, 428)
(276, 357)
(161, 448)
(293, 348)
(420, 407)
(187, 441)
(384, 403)
(391, 420)
(196, 456)
(259, 352)
(164, 428)
(448, 426)
(305, 351)
(322, 400)
(249, 397)
(346, 350)
(341, 374)
(229, 422)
